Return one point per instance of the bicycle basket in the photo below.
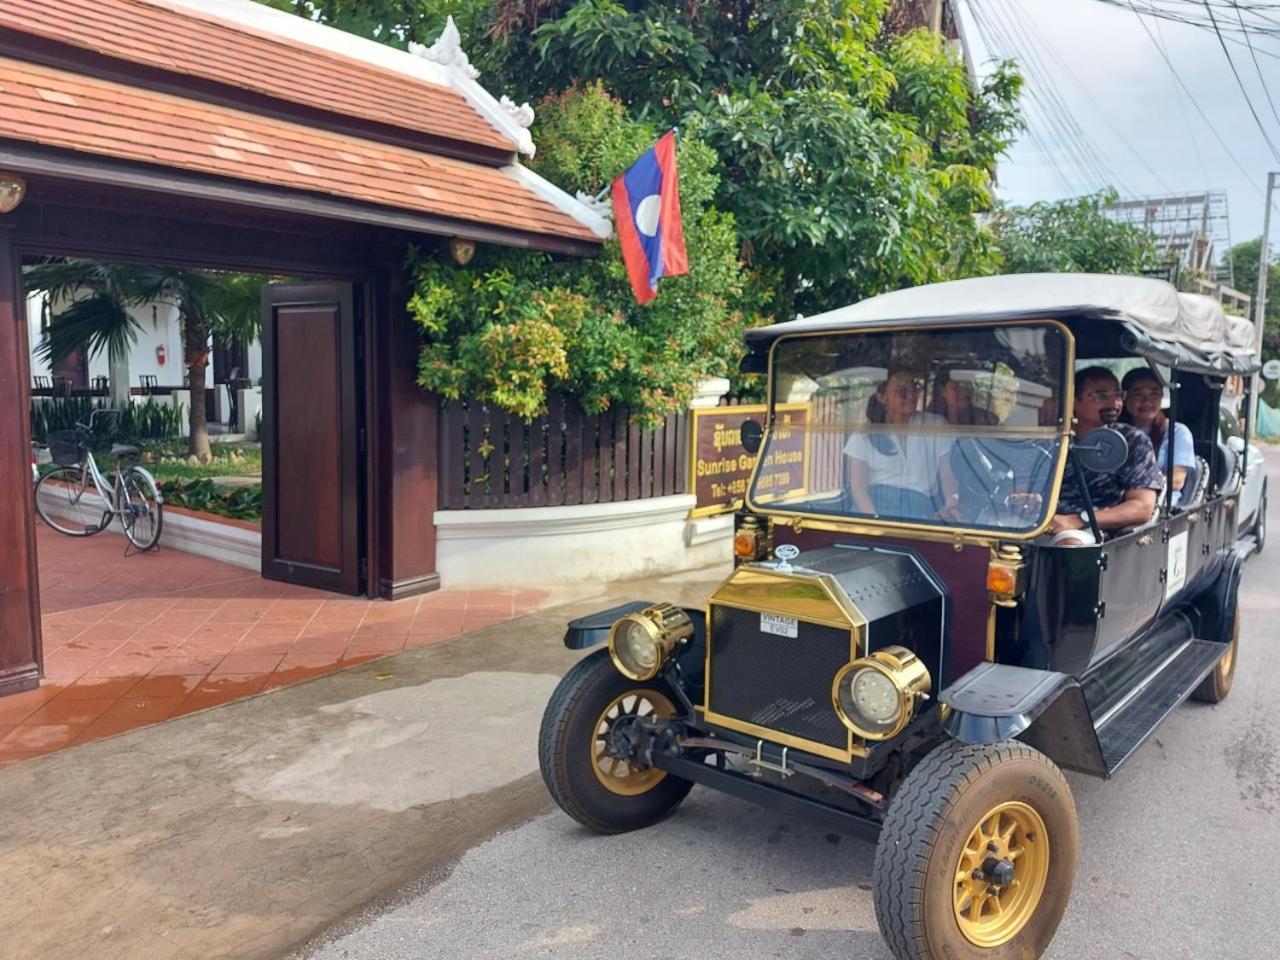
(67, 447)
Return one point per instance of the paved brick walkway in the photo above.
(134, 640)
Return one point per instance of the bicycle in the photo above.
(68, 504)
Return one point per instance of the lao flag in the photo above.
(646, 208)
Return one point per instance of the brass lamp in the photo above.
(12, 189)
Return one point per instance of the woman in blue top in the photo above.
(1143, 394)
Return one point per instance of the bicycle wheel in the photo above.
(67, 500)
(141, 509)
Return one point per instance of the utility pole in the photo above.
(1264, 271)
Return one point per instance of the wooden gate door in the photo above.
(312, 501)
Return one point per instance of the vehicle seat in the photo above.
(1196, 486)
(122, 450)
(1224, 471)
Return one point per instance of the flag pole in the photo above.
(609, 186)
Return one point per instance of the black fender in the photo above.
(1042, 708)
(1216, 606)
(594, 628)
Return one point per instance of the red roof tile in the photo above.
(64, 110)
(195, 45)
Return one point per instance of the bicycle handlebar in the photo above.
(89, 426)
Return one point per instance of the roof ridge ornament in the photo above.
(521, 114)
(447, 51)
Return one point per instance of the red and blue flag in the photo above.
(646, 208)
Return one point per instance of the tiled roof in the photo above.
(60, 109)
(189, 44)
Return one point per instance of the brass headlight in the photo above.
(640, 643)
(876, 696)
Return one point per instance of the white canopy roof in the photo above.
(1151, 307)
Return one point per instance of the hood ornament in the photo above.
(786, 552)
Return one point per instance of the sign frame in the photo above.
(747, 410)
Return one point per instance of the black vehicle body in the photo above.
(920, 677)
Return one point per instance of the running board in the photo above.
(1124, 727)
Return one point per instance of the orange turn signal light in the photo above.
(1002, 579)
(745, 544)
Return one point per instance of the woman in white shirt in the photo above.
(897, 473)
(1143, 396)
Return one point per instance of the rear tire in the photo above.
(607, 794)
(68, 501)
(1215, 687)
(142, 509)
(977, 855)
(1260, 521)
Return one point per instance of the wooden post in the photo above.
(20, 652)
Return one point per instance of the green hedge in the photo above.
(136, 422)
(241, 503)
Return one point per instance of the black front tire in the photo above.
(601, 792)
(1215, 687)
(961, 801)
(1260, 521)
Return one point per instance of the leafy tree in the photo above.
(1072, 236)
(513, 325)
(848, 160)
(227, 306)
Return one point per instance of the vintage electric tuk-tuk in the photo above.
(905, 650)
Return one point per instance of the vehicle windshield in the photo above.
(952, 427)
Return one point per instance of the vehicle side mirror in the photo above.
(1101, 450)
(751, 433)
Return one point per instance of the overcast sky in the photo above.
(1111, 55)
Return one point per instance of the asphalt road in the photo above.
(1180, 860)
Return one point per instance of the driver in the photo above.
(1124, 497)
(898, 471)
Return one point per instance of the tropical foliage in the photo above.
(136, 423)
(91, 302)
(823, 159)
(1072, 236)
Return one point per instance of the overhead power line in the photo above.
(1240, 83)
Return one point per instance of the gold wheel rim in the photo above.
(1228, 660)
(617, 775)
(991, 914)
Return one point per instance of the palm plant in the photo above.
(209, 304)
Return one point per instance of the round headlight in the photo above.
(876, 696)
(640, 643)
(635, 650)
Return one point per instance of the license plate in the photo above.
(779, 626)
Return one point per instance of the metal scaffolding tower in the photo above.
(1192, 232)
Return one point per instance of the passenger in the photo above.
(1124, 497)
(898, 474)
(953, 399)
(1142, 395)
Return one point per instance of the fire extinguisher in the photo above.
(161, 355)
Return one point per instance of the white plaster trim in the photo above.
(709, 393)
(557, 521)
(246, 13)
(709, 529)
(548, 191)
(223, 542)
(255, 16)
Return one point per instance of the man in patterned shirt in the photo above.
(1124, 497)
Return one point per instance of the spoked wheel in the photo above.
(1215, 687)
(582, 748)
(68, 501)
(977, 855)
(141, 509)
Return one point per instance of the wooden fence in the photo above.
(493, 459)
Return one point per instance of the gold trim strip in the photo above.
(786, 739)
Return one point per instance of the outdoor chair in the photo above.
(62, 386)
(42, 382)
(148, 382)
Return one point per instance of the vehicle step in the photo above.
(1123, 728)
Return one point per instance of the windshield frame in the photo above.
(917, 529)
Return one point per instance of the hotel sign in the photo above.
(719, 467)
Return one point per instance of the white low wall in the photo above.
(224, 542)
(601, 541)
